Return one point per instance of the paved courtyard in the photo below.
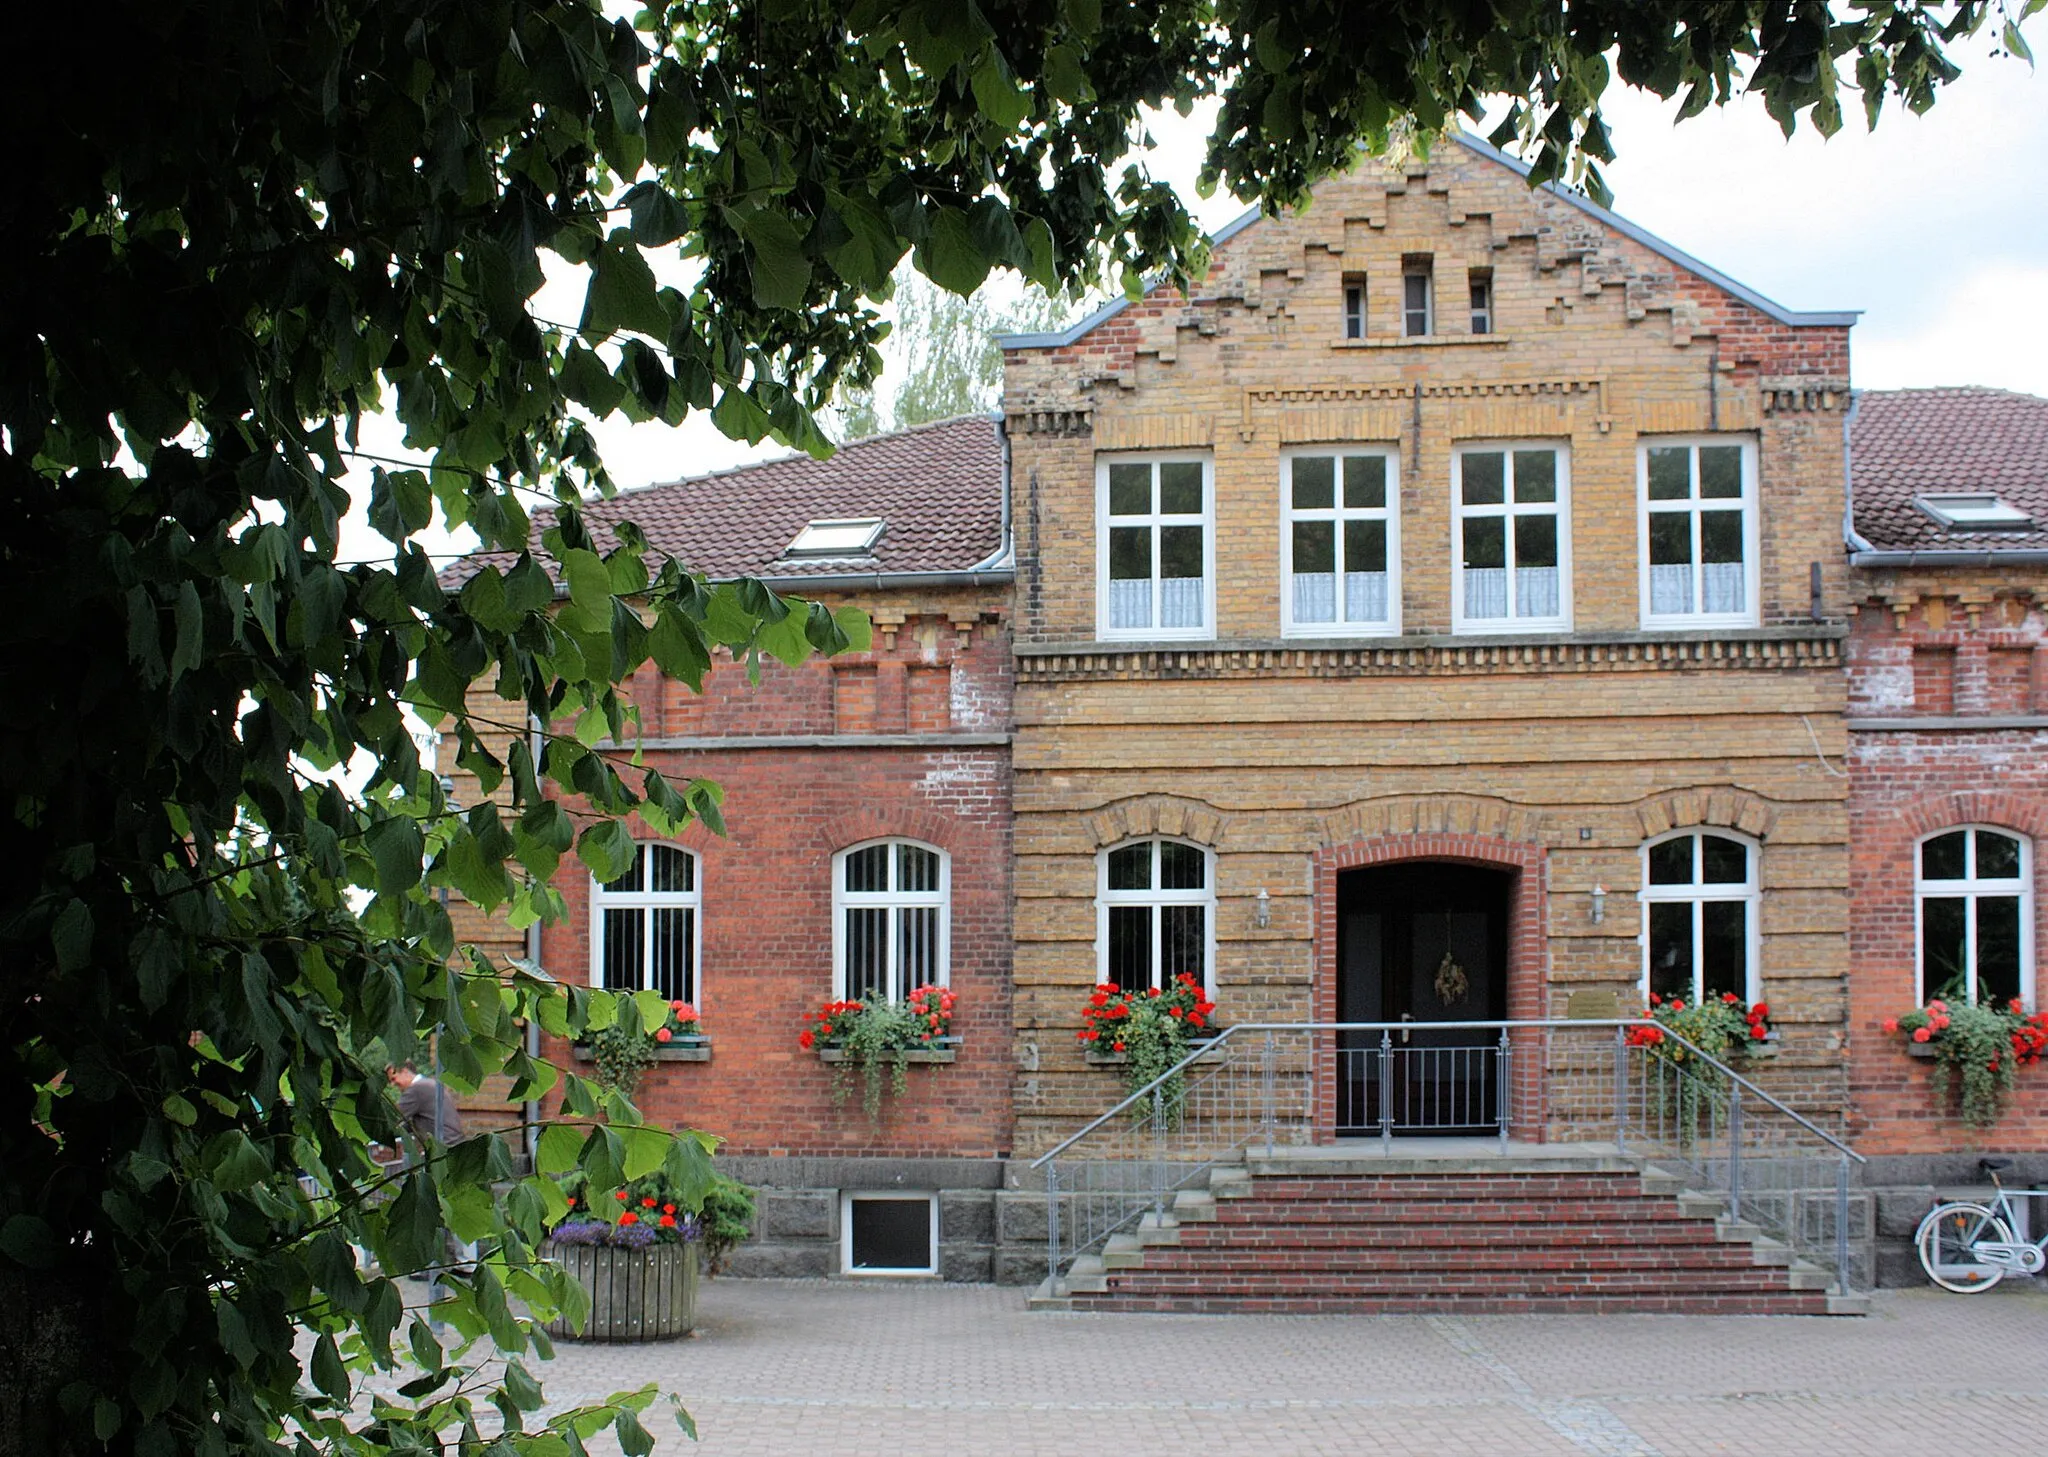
(796, 1366)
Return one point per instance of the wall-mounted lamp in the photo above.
(1262, 917)
(1599, 904)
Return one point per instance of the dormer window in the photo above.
(1974, 511)
(849, 537)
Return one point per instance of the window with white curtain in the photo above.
(1974, 889)
(891, 906)
(1699, 532)
(1154, 546)
(1156, 906)
(1511, 507)
(643, 926)
(1699, 917)
(1342, 546)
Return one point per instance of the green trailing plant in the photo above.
(1979, 1049)
(727, 1219)
(1716, 1026)
(875, 1038)
(1152, 1030)
(625, 1050)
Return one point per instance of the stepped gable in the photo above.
(938, 488)
(1903, 443)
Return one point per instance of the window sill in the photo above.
(1421, 341)
(683, 1049)
(1922, 1050)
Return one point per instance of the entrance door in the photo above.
(1421, 944)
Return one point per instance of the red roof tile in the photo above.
(1905, 443)
(938, 489)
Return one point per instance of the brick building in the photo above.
(1456, 581)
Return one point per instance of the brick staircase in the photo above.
(1550, 1229)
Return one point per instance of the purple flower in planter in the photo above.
(638, 1236)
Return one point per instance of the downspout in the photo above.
(1857, 545)
(529, 1111)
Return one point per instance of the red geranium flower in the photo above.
(664, 1035)
(667, 1221)
(668, 1209)
(806, 1039)
(629, 1217)
(1891, 1024)
(649, 1202)
(620, 1195)
(1922, 1034)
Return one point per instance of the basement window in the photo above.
(1979, 511)
(890, 1233)
(848, 537)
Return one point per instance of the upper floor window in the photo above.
(1512, 518)
(643, 926)
(1699, 917)
(1699, 532)
(890, 919)
(1341, 542)
(1975, 891)
(1155, 910)
(1418, 306)
(1482, 301)
(1155, 548)
(1354, 306)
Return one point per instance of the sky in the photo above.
(1935, 226)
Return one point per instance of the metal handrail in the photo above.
(1227, 1033)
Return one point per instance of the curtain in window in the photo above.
(1722, 587)
(1130, 603)
(1671, 588)
(1365, 596)
(1535, 591)
(1315, 596)
(1486, 591)
(1180, 602)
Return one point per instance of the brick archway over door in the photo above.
(1528, 946)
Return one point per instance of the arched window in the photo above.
(1975, 894)
(1155, 914)
(890, 919)
(643, 926)
(1699, 916)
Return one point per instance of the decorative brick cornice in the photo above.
(1725, 806)
(1156, 814)
(1054, 663)
(1054, 420)
(1433, 814)
(1790, 394)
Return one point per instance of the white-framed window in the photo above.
(1481, 281)
(1700, 916)
(1354, 306)
(644, 925)
(889, 1232)
(1418, 302)
(1342, 541)
(1974, 893)
(891, 919)
(1699, 531)
(1155, 914)
(1155, 544)
(1511, 509)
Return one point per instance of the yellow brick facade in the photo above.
(1567, 748)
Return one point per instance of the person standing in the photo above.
(427, 1108)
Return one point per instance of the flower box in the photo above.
(943, 1050)
(635, 1295)
(682, 1049)
(1925, 1051)
(1120, 1059)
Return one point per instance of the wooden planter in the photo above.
(635, 1295)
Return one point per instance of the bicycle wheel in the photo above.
(1947, 1240)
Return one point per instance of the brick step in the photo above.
(1241, 1260)
(1630, 1234)
(1421, 1186)
(1647, 1208)
(1492, 1304)
(1275, 1284)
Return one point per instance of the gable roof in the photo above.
(1907, 443)
(1060, 338)
(938, 489)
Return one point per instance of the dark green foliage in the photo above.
(233, 228)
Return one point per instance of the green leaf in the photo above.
(950, 257)
(997, 94)
(522, 1388)
(590, 588)
(623, 293)
(396, 848)
(859, 629)
(586, 381)
(607, 849)
(71, 936)
(180, 1111)
(782, 274)
(26, 1240)
(328, 1373)
(634, 1439)
(556, 1151)
(657, 216)
(235, 1163)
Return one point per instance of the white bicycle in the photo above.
(1968, 1247)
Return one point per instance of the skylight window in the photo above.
(1978, 511)
(836, 538)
